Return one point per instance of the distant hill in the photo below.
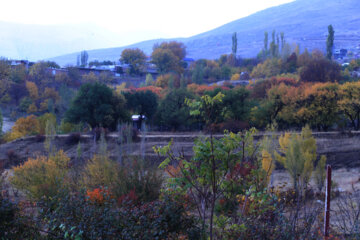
(36, 42)
(303, 21)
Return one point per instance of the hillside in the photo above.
(303, 21)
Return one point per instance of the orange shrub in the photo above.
(98, 195)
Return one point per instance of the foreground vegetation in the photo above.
(220, 193)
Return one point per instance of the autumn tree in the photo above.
(136, 59)
(320, 69)
(318, 106)
(349, 102)
(39, 74)
(24, 127)
(298, 156)
(168, 56)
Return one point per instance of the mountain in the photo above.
(36, 42)
(304, 22)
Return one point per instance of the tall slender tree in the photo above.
(234, 44)
(330, 42)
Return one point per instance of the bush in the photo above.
(75, 216)
(43, 176)
(144, 181)
(12, 224)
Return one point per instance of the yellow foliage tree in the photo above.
(24, 127)
(267, 164)
(298, 156)
(100, 172)
(42, 176)
(235, 76)
(32, 108)
(43, 119)
(349, 102)
(33, 90)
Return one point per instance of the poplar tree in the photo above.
(330, 42)
(234, 44)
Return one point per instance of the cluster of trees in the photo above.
(219, 193)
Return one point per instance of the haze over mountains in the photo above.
(303, 21)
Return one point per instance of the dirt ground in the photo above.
(344, 179)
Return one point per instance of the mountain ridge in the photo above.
(304, 22)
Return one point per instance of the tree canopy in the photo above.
(135, 58)
(97, 105)
(168, 56)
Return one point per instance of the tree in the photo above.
(349, 102)
(84, 56)
(168, 56)
(1, 123)
(143, 103)
(136, 58)
(173, 112)
(330, 42)
(24, 127)
(207, 176)
(298, 156)
(234, 44)
(237, 104)
(33, 90)
(149, 80)
(320, 69)
(97, 105)
(318, 106)
(39, 74)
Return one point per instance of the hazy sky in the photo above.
(136, 20)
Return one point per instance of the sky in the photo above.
(135, 20)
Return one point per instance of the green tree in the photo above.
(330, 42)
(237, 104)
(97, 105)
(173, 112)
(234, 44)
(206, 175)
(143, 103)
(84, 56)
(135, 58)
(266, 42)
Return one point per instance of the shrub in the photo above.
(100, 171)
(12, 224)
(41, 177)
(74, 216)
